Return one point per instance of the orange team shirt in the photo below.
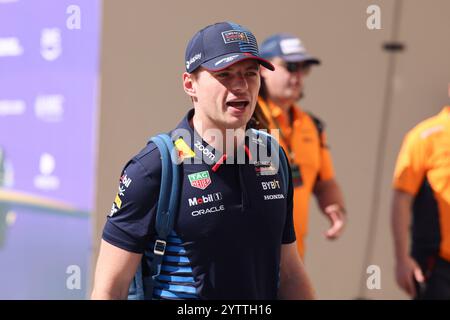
(424, 162)
(310, 153)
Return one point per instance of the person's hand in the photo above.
(407, 270)
(336, 215)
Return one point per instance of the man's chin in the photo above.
(234, 122)
(294, 95)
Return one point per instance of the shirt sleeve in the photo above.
(130, 224)
(326, 171)
(411, 164)
(289, 232)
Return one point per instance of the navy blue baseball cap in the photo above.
(288, 47)
(221, 45)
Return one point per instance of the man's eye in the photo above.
(222, 74)
(251, 73)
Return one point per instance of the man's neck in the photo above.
(285, 106)
(223, 140)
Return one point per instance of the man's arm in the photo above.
(331, 202)
(294, 282)
(115, 270)
(406, 267)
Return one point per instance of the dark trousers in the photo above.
(437, 284)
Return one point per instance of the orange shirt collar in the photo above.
(446, 111)
(271, 110)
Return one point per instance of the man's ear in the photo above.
(188, 85)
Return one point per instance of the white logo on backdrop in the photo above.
(10, 47)
(51, 44)
(46, 180)
(49, 107)
(12, 107)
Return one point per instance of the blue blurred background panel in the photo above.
(49, 70)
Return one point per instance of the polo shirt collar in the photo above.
(190, 145)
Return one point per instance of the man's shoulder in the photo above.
(148, 159)
(318, 123)
(426, 129)
(148, 152)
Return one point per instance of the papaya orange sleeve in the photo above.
(410, 168)
(326, 171)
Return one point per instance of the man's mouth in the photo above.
(238, 104)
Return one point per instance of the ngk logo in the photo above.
(205, 199)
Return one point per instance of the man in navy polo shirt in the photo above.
(233, 237)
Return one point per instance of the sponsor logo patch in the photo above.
(225, 60)
(118, 201)
(193, 59)
(265, 168)
(234, 36)
(212, 197)
(291, 46)
(124, 183)
(271, 185)
(113, 210)
(200, 180)
(183, 149)
(125, 180)
(273, 196)
(205, 151)
(207, 211)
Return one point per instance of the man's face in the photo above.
(226, 99)
(285, 84)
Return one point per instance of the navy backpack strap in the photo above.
(320, 127)
(168, 200)
(142, 288)
(166, 217)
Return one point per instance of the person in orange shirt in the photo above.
(301, 134)
(422, 190)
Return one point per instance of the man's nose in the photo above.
(298, 76)
(239, 83)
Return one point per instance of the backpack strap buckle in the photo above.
(160, 247)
